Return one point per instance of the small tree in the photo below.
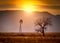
(43, 22)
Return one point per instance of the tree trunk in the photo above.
(20, 30)
(43, 31)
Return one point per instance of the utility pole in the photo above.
(20, 29)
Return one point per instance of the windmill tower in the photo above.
(21, 21)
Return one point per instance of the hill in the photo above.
(9, 21)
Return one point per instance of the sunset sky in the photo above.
(52, 6)
(11, 11)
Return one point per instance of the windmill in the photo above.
(21, 21)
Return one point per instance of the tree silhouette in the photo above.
(43, 23)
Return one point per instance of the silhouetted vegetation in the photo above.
(29, 38)
(43, 22)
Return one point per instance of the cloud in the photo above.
(7, 6)
(51, 2)
(51, 7)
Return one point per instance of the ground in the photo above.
(29, 38)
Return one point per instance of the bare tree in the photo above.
(43, 23)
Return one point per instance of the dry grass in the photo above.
(29, 38)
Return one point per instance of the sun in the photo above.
(28, 8)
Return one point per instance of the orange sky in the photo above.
(52, 6)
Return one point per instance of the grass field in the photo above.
(29, 38)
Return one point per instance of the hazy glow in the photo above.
(34, 5)
(28, 8)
